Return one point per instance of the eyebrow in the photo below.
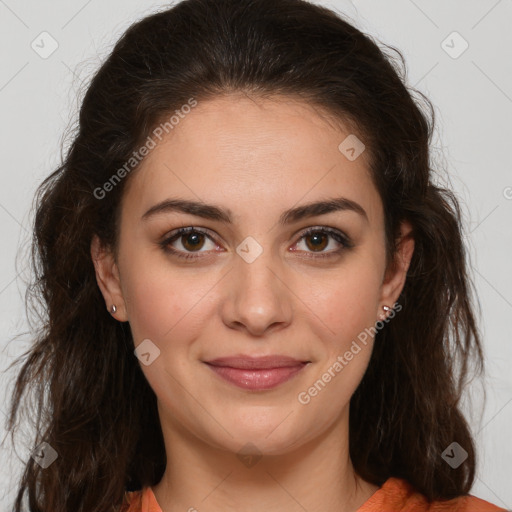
(213, 212)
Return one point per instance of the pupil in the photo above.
(193, 240)
(318, 241)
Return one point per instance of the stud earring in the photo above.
(113, 309)
(384, 315)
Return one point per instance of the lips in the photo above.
(256, 373)
(256, 363)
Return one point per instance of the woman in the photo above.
(256, 293)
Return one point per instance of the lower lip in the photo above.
(267, 378)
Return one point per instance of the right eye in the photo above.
(191, 240)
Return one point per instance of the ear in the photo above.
(396, 273)
(108, 279)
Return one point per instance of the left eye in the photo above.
(317, 239)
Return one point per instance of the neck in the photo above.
(317, 476)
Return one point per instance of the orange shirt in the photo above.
(395, 495)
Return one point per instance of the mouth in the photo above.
(256, 373)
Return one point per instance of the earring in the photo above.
(113, 309)
(384, 315)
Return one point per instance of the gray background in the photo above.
(472, 94)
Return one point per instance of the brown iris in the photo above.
(320, 241)
(193, 241)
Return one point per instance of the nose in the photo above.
(259, 299)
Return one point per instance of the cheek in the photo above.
(349, 302)
(348, 307)
(165, 304)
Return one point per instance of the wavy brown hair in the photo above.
(94, 405)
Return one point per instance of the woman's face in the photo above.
(254, 285)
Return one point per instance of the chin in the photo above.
(260, 438)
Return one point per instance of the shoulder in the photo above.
(132, 501)
(142, 500)
(397, 495)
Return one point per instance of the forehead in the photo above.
(249, 154)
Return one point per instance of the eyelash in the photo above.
(338, 236)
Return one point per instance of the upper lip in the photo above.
(250, 362)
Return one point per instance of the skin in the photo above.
(256, 158)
